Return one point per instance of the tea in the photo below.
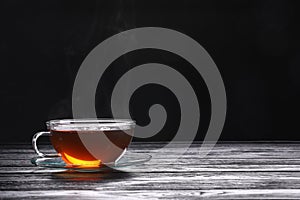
(87, 142)
(90, 147)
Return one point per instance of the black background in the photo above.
(255, 45)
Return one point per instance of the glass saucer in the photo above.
(128, 159)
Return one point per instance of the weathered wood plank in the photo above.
(231, 170)
(158, 194)
(138, 182)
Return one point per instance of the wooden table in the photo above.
(231, 170)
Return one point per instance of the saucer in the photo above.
(128, 159)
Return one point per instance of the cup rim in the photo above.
(107, 122)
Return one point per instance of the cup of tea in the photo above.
(87, 142)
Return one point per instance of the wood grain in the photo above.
(230, 171)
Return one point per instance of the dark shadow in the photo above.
(107, 176)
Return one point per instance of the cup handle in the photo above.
(34, 144)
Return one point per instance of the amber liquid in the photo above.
(70, 146)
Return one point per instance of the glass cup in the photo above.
(88, 142)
